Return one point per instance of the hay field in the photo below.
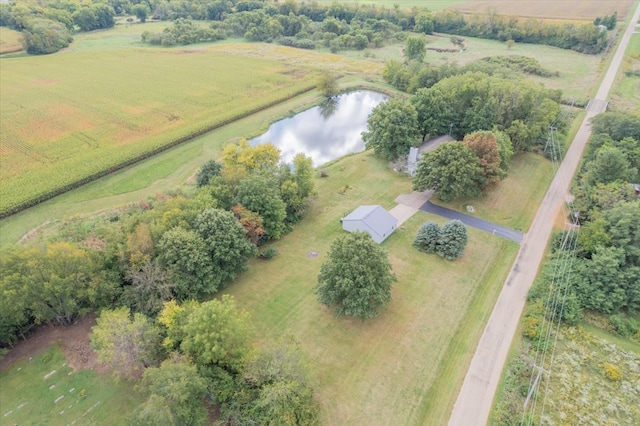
(580, 10)
(68, 116)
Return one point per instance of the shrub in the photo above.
(452, 240)
(427, 237)
(269, 253)
(623, 326)
(612, 372)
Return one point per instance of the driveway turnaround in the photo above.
(483, 225)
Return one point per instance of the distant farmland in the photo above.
(70, 116)
(581, 10)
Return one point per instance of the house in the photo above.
(374, 220)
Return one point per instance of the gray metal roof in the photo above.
(375, 217)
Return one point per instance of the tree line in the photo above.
(175, 247)
(585, 38)
(494, 117)
(414, 74)
(147, 266)
(606, 258)
(298, 24)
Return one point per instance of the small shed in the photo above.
(374, 220)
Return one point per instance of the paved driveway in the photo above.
(473, 221)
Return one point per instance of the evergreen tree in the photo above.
(427, 237)
(452, 240)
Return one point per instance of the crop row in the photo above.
(30, 189)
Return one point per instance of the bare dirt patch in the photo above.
(72, 340)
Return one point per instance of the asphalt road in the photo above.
(475, 222)
(481, 381)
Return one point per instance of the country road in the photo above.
(481, 381)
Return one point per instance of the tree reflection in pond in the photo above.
(325, 132)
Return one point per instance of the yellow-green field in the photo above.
(10, 41)
(69, 116)
(380, 371)
(580, 10)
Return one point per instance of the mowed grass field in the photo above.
(10, 41)
(30, 394)
(626, 95)
(71, 115)
(529, 178)
(581, 10)
(381, 371)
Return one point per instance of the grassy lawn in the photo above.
(10, 41)
(27, 397)
(626, 96)
(380, 371)
(514, 201)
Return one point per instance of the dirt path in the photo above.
(72, 340)
(481, 381)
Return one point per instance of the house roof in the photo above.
(375, 217)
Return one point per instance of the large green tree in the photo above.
(186, 255)
(217, 333)
(356, 279)
(392, 128)
(435, 115)
(452, 169)
(225, 242)
(260, 193)
(43, 36)
(610, 165)
(176, 395)
(126, 344)
(276, 383)
(414, 48)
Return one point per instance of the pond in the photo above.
(325, 132)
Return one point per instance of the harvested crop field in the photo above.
(73, 115)
(579, 10)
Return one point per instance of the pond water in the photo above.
(325, 132)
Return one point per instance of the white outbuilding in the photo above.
(374, 220)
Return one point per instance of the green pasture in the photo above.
(514, 201)
(382, 371)
(10, 41)
(30, 389)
